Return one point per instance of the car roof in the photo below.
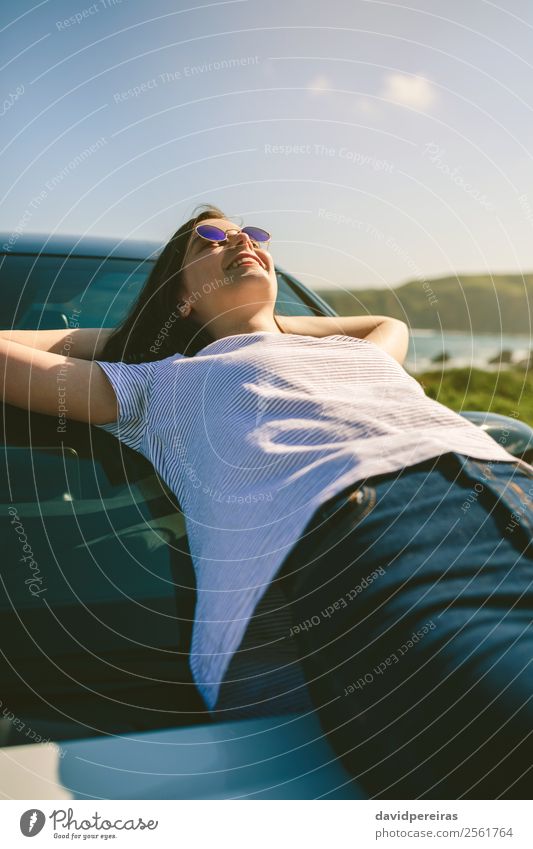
(67, 244)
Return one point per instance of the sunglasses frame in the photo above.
(232, 230)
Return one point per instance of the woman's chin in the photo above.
(249, 276)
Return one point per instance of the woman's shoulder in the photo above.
(167, 362)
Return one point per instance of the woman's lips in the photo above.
(247, 264)
(247, 257)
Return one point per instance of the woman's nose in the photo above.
(236, 237)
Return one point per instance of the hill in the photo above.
(498, 303)
(474, 389)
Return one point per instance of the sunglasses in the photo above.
(216, 234)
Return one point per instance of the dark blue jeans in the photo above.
(412, 608)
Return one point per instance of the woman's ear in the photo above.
(184, 309)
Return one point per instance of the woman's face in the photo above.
(220, 294)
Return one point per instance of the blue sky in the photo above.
(378, 142)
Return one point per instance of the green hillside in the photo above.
(474, 389)
(476, 303)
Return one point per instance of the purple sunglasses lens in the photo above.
(257, 234)
(215, 234)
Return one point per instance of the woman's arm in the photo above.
(55, 385)
(85, 343)
(391, 334)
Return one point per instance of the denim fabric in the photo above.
(412, 607)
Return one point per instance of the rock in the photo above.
(441, 358)
(505, 356)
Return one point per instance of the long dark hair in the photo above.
(153, 329)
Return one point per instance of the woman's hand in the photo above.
(390, 334)
(85, 343)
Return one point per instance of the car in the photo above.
(100, 647)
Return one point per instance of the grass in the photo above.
(505, 391)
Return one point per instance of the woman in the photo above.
(306, 459)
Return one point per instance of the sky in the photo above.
(378, 142)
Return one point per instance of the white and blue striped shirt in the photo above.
(252, 434)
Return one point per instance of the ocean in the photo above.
(472, 350)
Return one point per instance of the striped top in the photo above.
(252, 434)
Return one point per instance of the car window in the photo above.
(44, 291)
(289, 301)
(47, 292)
(101, 526)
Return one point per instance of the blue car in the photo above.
(98, 661)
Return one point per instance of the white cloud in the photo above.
(367, 107)
(409, 90)
(318, 84)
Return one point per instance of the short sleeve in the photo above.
(132, 384)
